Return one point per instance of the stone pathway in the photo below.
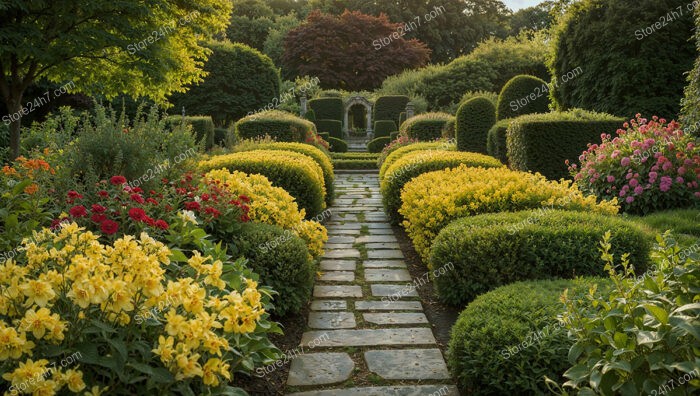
(367, 333)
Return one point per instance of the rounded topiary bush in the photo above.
(416, 163)
(338, 145)
(496, 143)
(506, 341)
(474, 119)
(279, 125)
(328, 108)
(378, 144)
(384, 128)
(466, 191)
(389, 107)
(322, 159)
(426, 127)
(282, 261)
(297, 173)
(491, 250)
(394, 156)
(523, 95)
(333, 127)
(240, 80)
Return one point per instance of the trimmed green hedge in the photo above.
(322, 159)
(474, 119)
(523, 94)
(310, 115)
(401, 151)
(390, 108)
(426, 127)
(324, 135)
(393, 136)
(383, 128)
(282, 261)
(202, 126)
(496, 140)
(543, 142)
(355, 155)
(496, 249)
(297, 173)
(327, 108)
(220, 136)
(416, 163)
(378, 144)
(337, 145)
(402, 118)
(279, 125)
(507, 340)
(355, 163)
(335, 128)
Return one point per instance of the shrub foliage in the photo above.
(474, 120)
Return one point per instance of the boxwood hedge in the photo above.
(506, 341)
(279, 125)
(297, 173)
(491, 250)
(543, 142)
(333, 127)
(474, 119)
(322, 159)
(401, 151)
(426, 127)
(496, 140)
(390, 107)
(282, 261)
(202, 126)
(327, 108)
(521, 95)
(416, 163)
(384, 128)
(378, 144)
(338, 145)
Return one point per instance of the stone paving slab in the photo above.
(337, 276)
(337, 291)
(416, 390)
(369, 337)
(399, 291)
(420, 364)
(377, 238)
(338, 265)
(332, 320)
(386, 275)
(320, 369)
(341, 239)
(383, 245)
(342, 253)
(329, 305)
(384, 264)
(388, 306)
(395, 318)
(383, 254)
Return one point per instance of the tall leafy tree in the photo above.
(352, 51)
(109, 47)
(535, 18)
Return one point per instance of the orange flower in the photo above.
(31, 189)
(9, 171)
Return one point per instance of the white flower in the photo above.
(187, 216)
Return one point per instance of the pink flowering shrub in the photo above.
(650, 165)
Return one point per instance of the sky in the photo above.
(515, 5)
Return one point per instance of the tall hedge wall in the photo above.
(543, 142)
(327, 108)
(334, 127)
(474, 119)
(390, 108)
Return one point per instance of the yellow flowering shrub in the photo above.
(432, 200)
(297, 173)
(137, 316)
(273, 205)
(401, 151)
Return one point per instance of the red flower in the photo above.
(212, 211)
(137, 214)
(205, 197)
(192, 205)
(117, 180)
(109, 227)
(98, 208)
(181, 191)
(56, 223)
(244, 198)
(168, 208)
(162, 224)
(98, 218)
(137, 190)
(74, 194)
(245, 208)
(78, 211)
(149, 221)
(103, 193)
(245, 218)
(137, 198)
(152, 201)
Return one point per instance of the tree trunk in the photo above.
(14, 107)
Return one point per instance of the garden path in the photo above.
(367, 333)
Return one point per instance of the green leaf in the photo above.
(177, 256)
(619, 365)
(657, 312)
(577, 373)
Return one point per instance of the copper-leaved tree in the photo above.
(352, 51)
